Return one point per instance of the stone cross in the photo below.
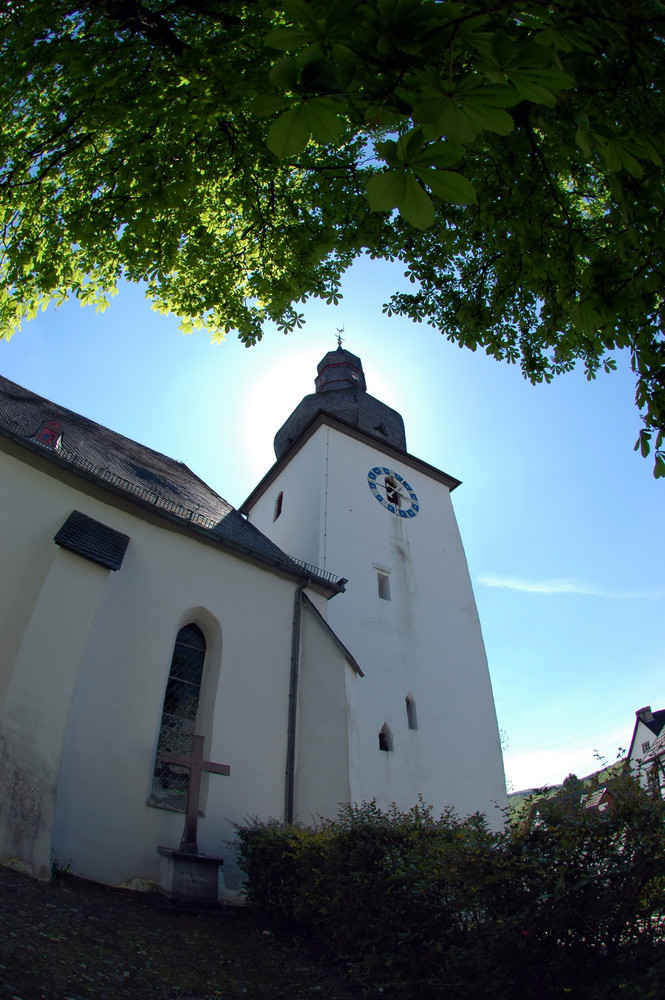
(196, 766)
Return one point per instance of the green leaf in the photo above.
(440, 154)
(449, 186)
(468, 106)
(267, 104)
(288, 38)
(585, 319)
(385, 191)
(416, 206)
(326, 125)
(300, 11)
(582, 140)
(290, 133)
(410, 145)
(285, 73)
(644, 443)
(482, 116)
(540, 85)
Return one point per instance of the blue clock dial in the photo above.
(393, 491)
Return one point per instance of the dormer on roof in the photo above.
(49, 434)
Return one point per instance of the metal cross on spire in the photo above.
(340, 338)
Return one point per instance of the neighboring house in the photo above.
(601, 800)
(647, 745)
(654, 763)
(138, 607)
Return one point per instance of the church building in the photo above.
(323, 639)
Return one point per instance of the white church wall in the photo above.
(115, 634)
(29, 522)
(424, 641)
(42, 650)
(248, 724)
(300, 528)
(324, 698)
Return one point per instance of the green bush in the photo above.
(568, 903)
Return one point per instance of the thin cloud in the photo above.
(558, 586)
(549, 765)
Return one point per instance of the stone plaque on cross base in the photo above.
(186, 877)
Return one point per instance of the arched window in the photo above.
(411, 716)
(278, 505)
(386, 738)
(181, 702)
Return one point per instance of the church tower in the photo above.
(346, 496)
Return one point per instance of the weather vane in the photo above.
(340, 331)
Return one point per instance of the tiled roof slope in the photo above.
(656, 750)
(123, 465)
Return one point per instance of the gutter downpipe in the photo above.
(289, 790)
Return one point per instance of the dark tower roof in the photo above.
(341, 392)
(340, 370)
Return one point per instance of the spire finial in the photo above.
(340, 338)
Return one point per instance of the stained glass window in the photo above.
(181, 701)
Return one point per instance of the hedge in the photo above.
(568, 902)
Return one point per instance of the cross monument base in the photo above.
(189, 880)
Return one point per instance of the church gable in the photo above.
(124, 467)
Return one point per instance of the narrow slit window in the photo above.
(411, 716)
(386, 738)
(383, 581)
(278, 505)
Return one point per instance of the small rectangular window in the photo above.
(646, 746)
(384, 586)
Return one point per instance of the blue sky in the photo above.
(561, 520)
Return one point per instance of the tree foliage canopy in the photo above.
(239, 156)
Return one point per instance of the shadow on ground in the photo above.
(69, 939)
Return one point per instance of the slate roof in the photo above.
(93, 540)
(656, 750)
(125, 466)
(656, 723)
(341, 392)
(353, 406)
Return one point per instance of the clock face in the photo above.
(393, 491)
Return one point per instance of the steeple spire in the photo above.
(340, 370)
(341, 393)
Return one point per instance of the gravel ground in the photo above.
(69, 939)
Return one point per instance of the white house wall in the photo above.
(641, 736)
